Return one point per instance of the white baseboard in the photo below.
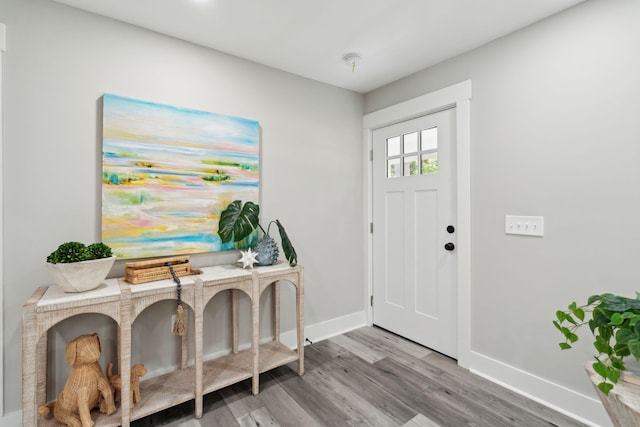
(327, 329)
(578, 406)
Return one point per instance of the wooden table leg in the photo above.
(125, 374)
(41, 368)
(124, 350)
(276, 311)
(255, 334)
(234, 320)
(199, 347)
(184, 342)
(300, 322)
(29, 373)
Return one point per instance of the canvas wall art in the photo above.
(168, 172)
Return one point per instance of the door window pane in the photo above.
(393, 146)
(429, 138)
(429, 163)
(393, 168)
(414, 153)
(411, 165)
(410, 143)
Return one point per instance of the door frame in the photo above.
(456, 96)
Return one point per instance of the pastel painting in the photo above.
(168, 173)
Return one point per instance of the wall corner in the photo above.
(3, 37)
(3, 46)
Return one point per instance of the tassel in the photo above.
(179, 327)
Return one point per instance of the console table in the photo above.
(123, 302)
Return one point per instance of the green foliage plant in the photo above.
(69, 252)
(100, 250)
(237, 221)
(615, 325)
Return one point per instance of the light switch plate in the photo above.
(524, 225)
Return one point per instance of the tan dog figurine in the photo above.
(137, 371)
(86, 386)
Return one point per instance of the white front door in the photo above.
(414, 256)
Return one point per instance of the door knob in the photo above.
(450, 229)
(449, 246)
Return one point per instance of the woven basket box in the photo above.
(156, 269)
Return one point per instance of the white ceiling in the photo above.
(309, 38)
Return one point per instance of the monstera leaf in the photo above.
(287, 247)
(237, 221)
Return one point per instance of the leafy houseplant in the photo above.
(78, 268)
(76, 252)
(615, 325)
(238, 221)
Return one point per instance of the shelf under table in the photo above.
(226, 370)
(165, 391)
(274, 354)
(157, 393)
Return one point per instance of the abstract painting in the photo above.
(168, 173)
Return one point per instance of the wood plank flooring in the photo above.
(366, 377)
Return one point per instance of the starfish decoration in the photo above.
(248, 258)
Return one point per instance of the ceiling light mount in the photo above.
(351, 60)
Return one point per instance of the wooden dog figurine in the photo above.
(137, 371)
(86, 386)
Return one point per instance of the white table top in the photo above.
(111, 287)
(55, 294)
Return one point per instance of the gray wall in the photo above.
(554, 132)
(59, 62)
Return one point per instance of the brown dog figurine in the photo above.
(137, 371)
(86, 386)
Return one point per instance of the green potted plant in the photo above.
(238, 221)
(78, 268)
(614, 322)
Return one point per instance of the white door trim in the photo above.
(3, 45)
(458, 96)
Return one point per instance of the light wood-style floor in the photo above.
(366, 377)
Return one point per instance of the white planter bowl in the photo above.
(81, 276)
